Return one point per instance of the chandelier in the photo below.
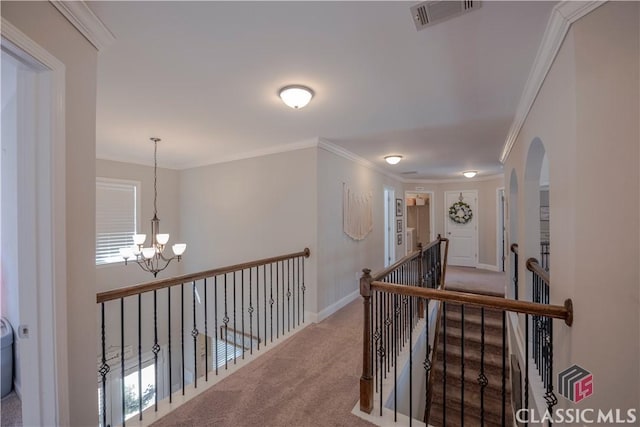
(153, 258)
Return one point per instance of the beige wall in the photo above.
(46, 26)
(487, 211)
(586, 115)
(251, 209)
(339, 256)
(111, 276)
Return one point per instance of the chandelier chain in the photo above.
(155, 177)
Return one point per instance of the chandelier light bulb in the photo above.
(148, 253)
(296, 96)
(393, 159)
(469, 174)
(138, 239)
(162, 238)
(179, 248)
(126, 253)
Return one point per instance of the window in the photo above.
(117, 212)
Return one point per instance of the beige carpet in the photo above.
(11, 413)
(469, 279)
(310, 380)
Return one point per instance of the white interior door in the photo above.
(463, 238)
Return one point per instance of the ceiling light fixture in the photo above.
(296, 96)
(152, 259)
(469, 174)
(393, 159)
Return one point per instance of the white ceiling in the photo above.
(204, 76)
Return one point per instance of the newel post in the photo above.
(420, 280)
(366, 380)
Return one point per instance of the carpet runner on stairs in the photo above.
(451, 407)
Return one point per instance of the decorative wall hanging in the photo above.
(357, 213)
(460, 212)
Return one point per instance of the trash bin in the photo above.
(6, 356)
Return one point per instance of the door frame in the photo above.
(46, 394)
(476, 218)
(432, 212)
(501, 238)
(389, 194)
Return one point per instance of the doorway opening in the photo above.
(389, 217)
(501, 240)
(420, 219)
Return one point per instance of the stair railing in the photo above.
(390, 320)
(383, 299)
(514, 249)
(227, 313)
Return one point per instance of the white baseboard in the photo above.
(337, 305)
(488, 267)
(18, 389)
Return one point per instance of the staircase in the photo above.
(472, 368)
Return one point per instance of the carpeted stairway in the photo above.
(472, 357)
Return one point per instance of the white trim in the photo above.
(454, 180)
(488, 267)
(337, 305)
(276, 149)
(562, 16)
(52, 250)
(500, 224)
(86, 22)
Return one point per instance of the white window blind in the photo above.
(116, 217)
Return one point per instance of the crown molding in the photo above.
(454, 180)
(86, 22)
(339, 151)
(562, 16)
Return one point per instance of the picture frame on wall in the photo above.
(398, 226)
(544, 213)
(399, 207)
(399, 241)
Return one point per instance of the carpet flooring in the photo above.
(469, 279)
(11, 412)
(311, 380)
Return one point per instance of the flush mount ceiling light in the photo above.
(296, 96)
(393, 159)
(469, 174)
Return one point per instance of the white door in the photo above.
(463, 238)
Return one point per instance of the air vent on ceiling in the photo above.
(432, 12)
(409, 173)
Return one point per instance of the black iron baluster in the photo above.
(140, 356)
(288, 296)
(250, 310)
(304, 288)
(515, 275)
(298, 260)
(215, 317)
(271, 300)
(242, 310)
(427, 359)
(381, 348)
(482, 379)
(462, 366)
(182, 331)
(122, 359)
(225, 320)
(104, 368)
(504, 366)
(206, 335)
(444, 363)
(235, 326)
(277, 302)
(258, 304)
(156, 347)
(526, 368)
(396, 315)
(411, 302)
(169, 342)
(194, 334)
(264, 300)
(377, 334)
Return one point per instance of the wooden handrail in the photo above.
(172, 281)
(534, 266)
(514, 248)
(415, 254)
(556, 311)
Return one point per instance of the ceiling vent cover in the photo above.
(430, 13)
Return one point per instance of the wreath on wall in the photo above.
(460, 213)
